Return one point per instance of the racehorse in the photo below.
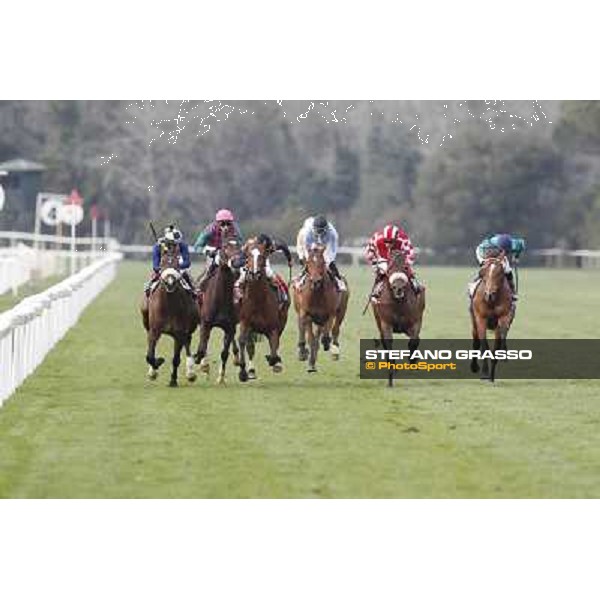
(398, 309)
(317, 301)
(260, 310)
(172, 310)
(491, 308)
(217, 307)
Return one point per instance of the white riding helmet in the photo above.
(172, 234)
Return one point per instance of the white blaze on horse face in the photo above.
(255, 254)
(490, 278)
(398, 277)
(170, 272)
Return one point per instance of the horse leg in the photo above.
(274, 359)
(189, 360)
(501, 333)
(326, 337)
(302, 351)
(236, 353)
(243, 341)
(202, 347)
(413, 344)
(153, 336)
(387, 340)
(340, 313)
(313, 341)
(176, 360)
(227, 339)
(475, 345)
(484, 347)
(251, 348)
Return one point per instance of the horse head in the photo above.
(396, 274)
(169, 266)
(316, 267)
(492, 276)
(230, 254)
(256, 259)
(169, 279)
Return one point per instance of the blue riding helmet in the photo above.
(504, 242)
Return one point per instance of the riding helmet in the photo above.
(320, 225)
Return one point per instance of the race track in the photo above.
(89, 424)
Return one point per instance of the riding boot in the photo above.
(337, 278)
(511, 283)
(416, 285)
(206, 276)
(334, 270)
(188, 279)
(377, 287)
(148, 285)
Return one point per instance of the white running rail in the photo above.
(25, 256)
(31, 329)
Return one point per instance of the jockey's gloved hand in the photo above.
(380, 266)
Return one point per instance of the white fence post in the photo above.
(31, 329)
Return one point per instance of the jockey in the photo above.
(210, 240)
(378, 250)
(507, 246)
(271, 246)
(171, 236)
(316, 230)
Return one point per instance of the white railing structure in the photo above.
(27, 256)
(550, 257)
(31, 329)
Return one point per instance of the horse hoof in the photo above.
(158, 362)
(335, 352)
(252, 374)
(243, 376)
(152, 374)
(311, 370)
(173, 383)
(278, 368)
(236, 360)
(326, 345)
(204, 366)
(191, 377)
(303, 354)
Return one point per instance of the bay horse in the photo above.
(260, 311)
(398, 309)
(170, 309)
(217, 309)
(318, 302)
(491, 308)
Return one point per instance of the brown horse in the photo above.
(260, 310)
(398, 309)
(492, 309)
(217, 307)
(170, 309)
(318, 302)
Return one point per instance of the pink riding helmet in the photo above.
(224, 215)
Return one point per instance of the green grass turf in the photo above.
(89, 424)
